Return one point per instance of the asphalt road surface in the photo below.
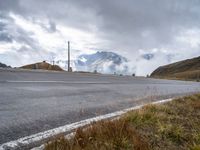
(35, 101)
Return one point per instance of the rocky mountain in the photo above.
(103, 62)
(186, 69)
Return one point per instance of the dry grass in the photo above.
(102, 135)
(172, 126)
(195, 74)
(187, 76)
(184, 70)
(43, 66)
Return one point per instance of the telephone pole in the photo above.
(69, 69)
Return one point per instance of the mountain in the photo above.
(102, 62)
(186, 69)
(42, 65)
(4, 65)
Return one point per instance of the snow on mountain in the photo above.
(103, 62)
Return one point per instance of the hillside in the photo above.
(42, 65)
(4, 65)
(187, 69)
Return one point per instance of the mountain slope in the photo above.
(43, 66)
(186, 69)
(103, 62)
(4, 65)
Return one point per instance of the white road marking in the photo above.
(28, 140)
(66, 82)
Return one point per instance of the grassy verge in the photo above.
(172, 126)
(193, 75)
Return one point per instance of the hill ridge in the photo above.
(185, 69)
(42, 65)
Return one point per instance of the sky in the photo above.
(37, 30)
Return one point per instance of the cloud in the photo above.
(34, 40)
(49, 26)
(125, 27)
(9, 5)
(4, 37)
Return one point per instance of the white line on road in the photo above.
(44, 136)
(66, 82)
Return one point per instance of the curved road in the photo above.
(35, 101)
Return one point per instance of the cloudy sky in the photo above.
(36, 30)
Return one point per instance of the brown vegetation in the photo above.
(43, 66)
(187, 70)
(174, 125)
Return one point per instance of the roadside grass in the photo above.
(192, 75)
(172, 126)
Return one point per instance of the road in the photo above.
(35, 101)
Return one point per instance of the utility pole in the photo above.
(69, 69)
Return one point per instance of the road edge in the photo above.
(40, 138)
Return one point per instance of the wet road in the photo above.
(35, 101)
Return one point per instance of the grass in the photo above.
(42, 65)
(187, 76)
(183, 70)
(172, 126)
